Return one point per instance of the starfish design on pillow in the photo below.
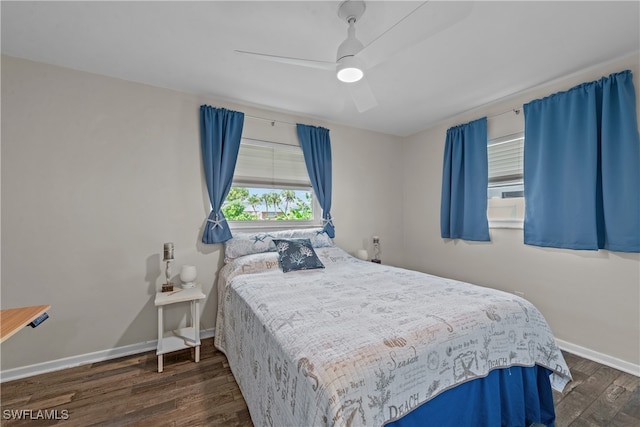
(260, 238)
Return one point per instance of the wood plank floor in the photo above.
(129, 391)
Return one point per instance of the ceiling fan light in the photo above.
(350, 75)
(349, 70)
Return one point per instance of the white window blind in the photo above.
(505, 205)
(505, 156)
(270, 164)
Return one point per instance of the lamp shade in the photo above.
(168, 251)
(349, 69)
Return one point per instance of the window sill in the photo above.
(506, 223)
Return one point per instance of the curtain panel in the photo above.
(220, 133)
(582, 167)
(463, 208)
(316, 147)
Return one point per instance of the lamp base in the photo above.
(188, 285)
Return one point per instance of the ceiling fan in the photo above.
(353, 57)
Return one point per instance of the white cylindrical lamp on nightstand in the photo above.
(188, 275)
(362, 254)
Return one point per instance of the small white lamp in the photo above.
(362, 254)
(188, 275)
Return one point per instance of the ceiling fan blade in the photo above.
(429, 18)
(309, 63)
(362, 95)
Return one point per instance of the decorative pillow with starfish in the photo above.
(296, 254)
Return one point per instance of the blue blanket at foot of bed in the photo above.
(510, 397)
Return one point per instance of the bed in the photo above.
(361, 344)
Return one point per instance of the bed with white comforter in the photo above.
(362, 344)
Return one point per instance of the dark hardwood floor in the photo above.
(598, 396)
(129, 391)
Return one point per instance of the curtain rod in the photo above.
(273, 122)
(516, 111)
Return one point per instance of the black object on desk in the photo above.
(38, 320)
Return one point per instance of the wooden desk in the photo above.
(14, 319)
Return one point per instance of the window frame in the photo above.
(272, 225)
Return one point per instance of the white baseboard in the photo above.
(83, 359)
(605, 359)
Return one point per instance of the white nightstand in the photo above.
(183, 337)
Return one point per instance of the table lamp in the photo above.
(188, 275)
(376, 250)
(168, 257)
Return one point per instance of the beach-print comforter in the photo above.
(361, 344)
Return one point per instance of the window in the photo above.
(271, 188)
(505, 207)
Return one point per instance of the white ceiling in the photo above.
(488, 51)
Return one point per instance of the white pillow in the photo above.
(254, 243)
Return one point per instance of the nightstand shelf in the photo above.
(177, 340)
(181, 338)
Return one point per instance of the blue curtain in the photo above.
(316, 147)
(582, 167)
(220, 133)
(463, 208)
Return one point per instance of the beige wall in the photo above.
(591, 299)
(97, 173)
